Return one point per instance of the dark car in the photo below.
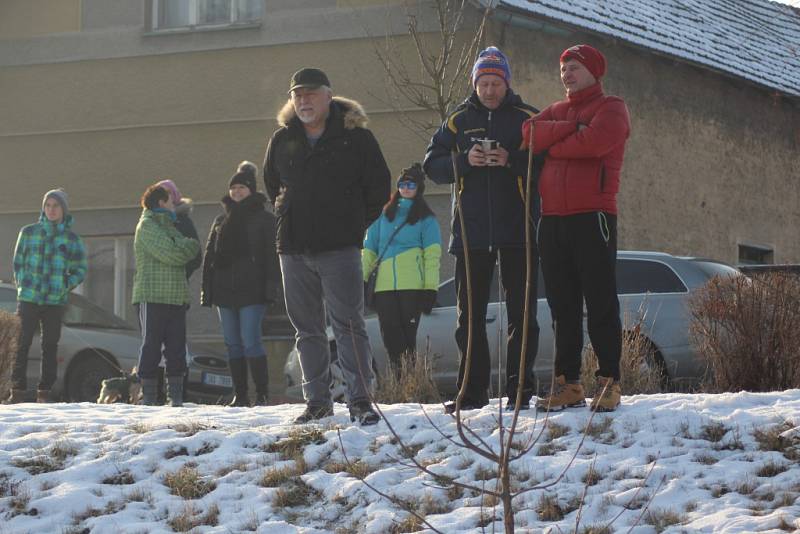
(96, 344)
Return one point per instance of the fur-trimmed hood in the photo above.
(185, 207)
(353, 113)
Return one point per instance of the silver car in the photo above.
(96, 344)
(651, 285)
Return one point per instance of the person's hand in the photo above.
(476, 156)
(497, 157)
(427, 301)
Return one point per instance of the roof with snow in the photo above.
(757, 40)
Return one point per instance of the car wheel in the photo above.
(338, 386)
(653, 361)
(86, 375)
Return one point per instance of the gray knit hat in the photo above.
(61, 196)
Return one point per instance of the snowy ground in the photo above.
(671, 463)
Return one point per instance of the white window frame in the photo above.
(121, 243)
(194, 13)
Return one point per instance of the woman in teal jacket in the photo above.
(407, 240)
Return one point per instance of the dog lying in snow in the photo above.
(127, 388)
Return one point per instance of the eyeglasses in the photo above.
(407, 185)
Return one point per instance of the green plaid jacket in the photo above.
(49, 261)
(161, 256)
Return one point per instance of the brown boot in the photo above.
(608, 400)
(43, 395)
(564, 395)
(17, 396)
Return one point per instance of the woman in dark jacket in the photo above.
(240, 276)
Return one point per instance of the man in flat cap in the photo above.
(328, 181)
(584, 137)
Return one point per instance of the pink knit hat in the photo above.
(172, 189)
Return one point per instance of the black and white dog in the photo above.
(127, 388)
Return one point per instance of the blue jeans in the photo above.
(241, 328)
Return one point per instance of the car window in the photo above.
(82, 312)
(645, 276)
(8, 300)
(447, 291)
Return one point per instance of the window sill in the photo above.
(202, 29)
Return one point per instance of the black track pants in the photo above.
(579, 255)
(513, 273)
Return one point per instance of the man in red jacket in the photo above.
(584, 137)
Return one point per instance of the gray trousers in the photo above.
(332, 281)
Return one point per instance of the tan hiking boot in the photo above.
(608, 400)
(43, 395)
(564, 395)
(17, 396)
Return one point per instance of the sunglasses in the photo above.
(407, 185)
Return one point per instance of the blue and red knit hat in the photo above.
(491, 61)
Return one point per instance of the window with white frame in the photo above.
(109, 279)
(177, 14)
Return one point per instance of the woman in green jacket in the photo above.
(405, 245)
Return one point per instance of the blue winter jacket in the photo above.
(412, 259)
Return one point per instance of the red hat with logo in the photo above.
(588, 56)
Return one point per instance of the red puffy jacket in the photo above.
(582, 167)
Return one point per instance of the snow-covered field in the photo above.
(662, 463)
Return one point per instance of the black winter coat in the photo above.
(492, 197)
(184, 224)
(242, 280)
(325, 196)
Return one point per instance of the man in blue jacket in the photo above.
(491, 183)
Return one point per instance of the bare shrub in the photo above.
(749, 331)
(190, 518)
(38, 464)
(357, 469)
(661, 519)
(275, 477)
(121, 478)
(409, 380)
(9, 335)
(295, 443)
(714, 431)
(773, 439)
(770, 469)
(548, 508)
(640, 366)
(294, 493)
(410, 523)
(187, 482)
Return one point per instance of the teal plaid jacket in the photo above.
(161, 256)
(49, 261)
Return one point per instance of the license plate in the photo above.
(217, 380)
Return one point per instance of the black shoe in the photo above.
(261, 399)
(363, 412)
(240, 401)
(312, 413)
(450, 407)
(512, 404)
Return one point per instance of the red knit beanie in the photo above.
(589, 57)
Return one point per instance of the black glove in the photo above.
(427, 300)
